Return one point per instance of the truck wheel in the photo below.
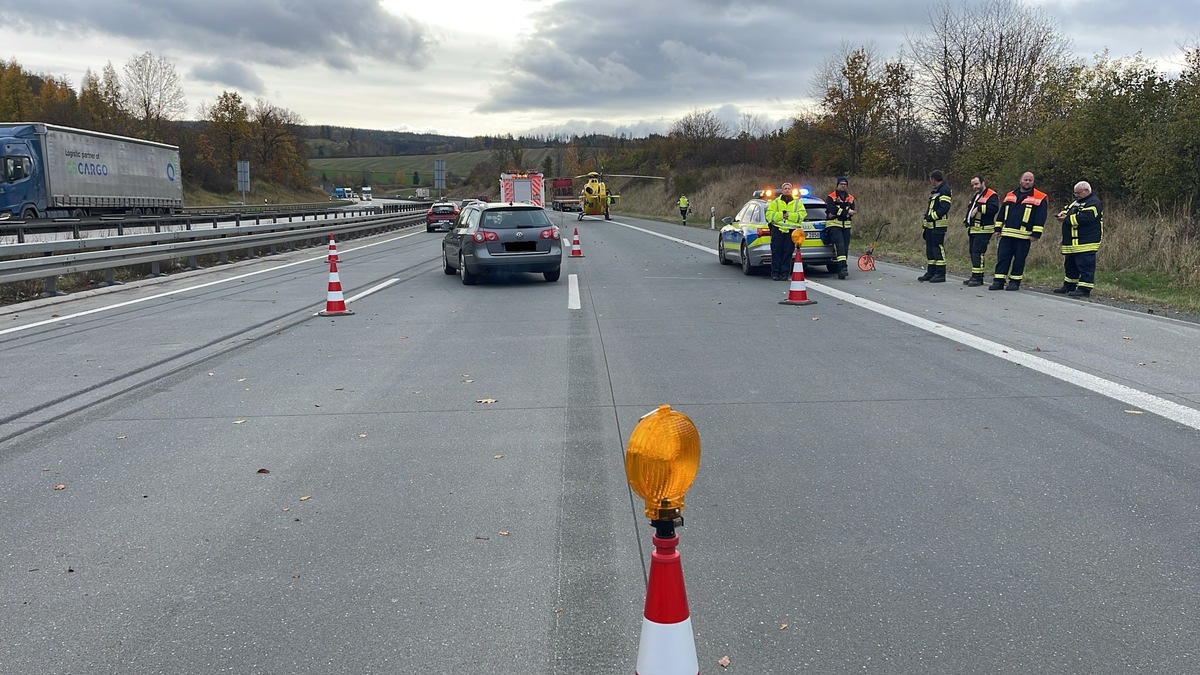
(29, 213)
(78, 213)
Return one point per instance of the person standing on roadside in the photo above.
(980, 222)
(1082, 228)
(683, 208)
(839, 210)
(1022, 219)
(784, 214)
(935, 228)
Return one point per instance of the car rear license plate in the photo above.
(520, 247)
(812, 234)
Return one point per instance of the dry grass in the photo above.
(1147, 259)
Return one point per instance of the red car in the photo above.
(441, 216)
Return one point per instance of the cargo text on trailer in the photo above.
(48, 171)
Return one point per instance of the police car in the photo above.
(746, 239)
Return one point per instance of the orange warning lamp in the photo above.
(661, 461)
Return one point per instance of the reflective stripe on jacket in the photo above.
(1023, 214)
(785, 216)
(981, 214)
(837, 209)
(1083, 226)
(939, 206)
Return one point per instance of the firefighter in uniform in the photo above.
(1082, 227)
(935, 228)
(683, 208)
(784, 214)
(980, 222)
(839, 210)
(1022, 218)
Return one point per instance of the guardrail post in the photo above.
(51, 287)
(155, 270)
(193, 263)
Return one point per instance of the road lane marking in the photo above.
(573, 292)
(136, 301)
(1160, 406)
(371, 290)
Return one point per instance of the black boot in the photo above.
(928, 274)
(939, 275)
(997, 284)
(842, 272)
(1013, 285)
(1080, 292)
(1065, 289)
(975, 280)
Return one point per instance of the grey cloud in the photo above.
(229, 73)
(275, 32)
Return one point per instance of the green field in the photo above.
(397, 171)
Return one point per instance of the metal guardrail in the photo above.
(50, 259)
(191, 218)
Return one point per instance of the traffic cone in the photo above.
(667, 645)
(798, 292)
(333, 257)
(335, 304)
(576, 252)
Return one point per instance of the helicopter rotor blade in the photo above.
(628, 175)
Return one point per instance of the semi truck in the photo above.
(521, 187)
(563, 196)
(49, 171)
(365, 193)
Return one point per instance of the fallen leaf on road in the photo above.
(60, 486)
(362, 435)
(485, 400)
(1134, 412)
(121, 438)
(503, 533)
(210, 374)
(306, 498)
(239, 421)
(816, 318)
(263, 471)
(1126, 337)
(723, 662)
(480, 536)
(241, 379)
(465, 381)
(497, 456)
(782, 626)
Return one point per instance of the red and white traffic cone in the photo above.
(798, 291)
(667, 645)
(333, 256)
(335, 304)
(576, 252)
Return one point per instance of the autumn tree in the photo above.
(983, 66)
(274, 142)
(851, 91)
(152, 94)
(17, 102)
(227, 130)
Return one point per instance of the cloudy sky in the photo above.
(467, 67)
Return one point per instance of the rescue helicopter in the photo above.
(595, 198)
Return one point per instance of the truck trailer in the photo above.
(48, 171)
(521, 187)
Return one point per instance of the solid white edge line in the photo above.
(1160, 406)
(136, 301)
(573, 301)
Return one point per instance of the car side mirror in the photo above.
(728, 220)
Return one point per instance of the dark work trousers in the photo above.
(1080, 268)
(839, 237)
(979, 245)
(782, 250)
(935, 249)
(1010, 258)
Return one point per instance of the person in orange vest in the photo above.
(839, 210)
(980, 222)
(1022, 219)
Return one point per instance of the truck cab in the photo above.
(18, 185)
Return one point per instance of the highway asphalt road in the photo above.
(901, 478)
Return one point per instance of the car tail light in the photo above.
(429, 213)
(481, 236)
(551, 233)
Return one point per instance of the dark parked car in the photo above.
(441, 216)
(499, 237)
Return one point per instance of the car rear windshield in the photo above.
(443, 209)
(814, 212)
(507, 219)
